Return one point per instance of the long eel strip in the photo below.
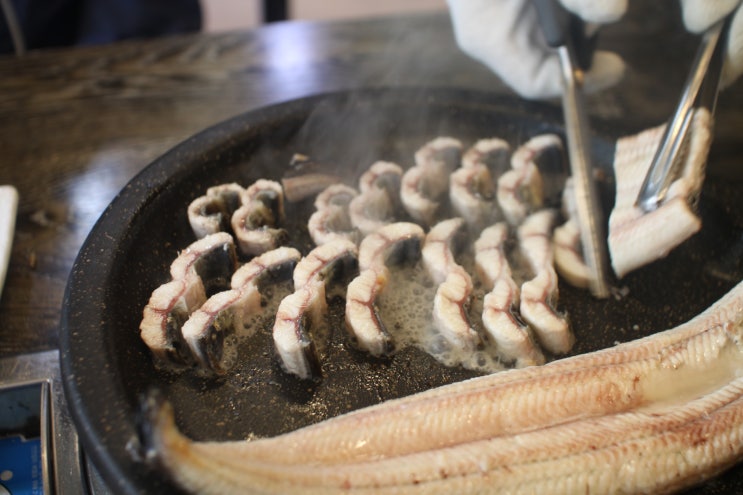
(655, 414)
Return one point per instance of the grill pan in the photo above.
(106, 368)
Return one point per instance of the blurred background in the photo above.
(33, 24)
(222, 15)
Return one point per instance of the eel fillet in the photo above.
(443, 242)
(520, 190)
(303, 312)
(382, 175)
(540, 294)
(201, 269)
(471, 187)
(472, 197)
(362, 319)
(637, 238)
(211, 213)
(256, 223)
(392, 243)
(491, 262)
(514, 339)
(424, 185)
(331, 220)
(298, 315)
(325, 261)
(227, 312)
(454, 292)
(494, 153)
(654, 415)
(378, 201)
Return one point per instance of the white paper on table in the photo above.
(8, 208)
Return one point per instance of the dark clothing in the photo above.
(47, 23)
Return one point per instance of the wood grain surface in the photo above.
(77, 124)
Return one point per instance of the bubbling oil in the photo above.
(406, 308)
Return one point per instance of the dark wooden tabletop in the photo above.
(77, 124)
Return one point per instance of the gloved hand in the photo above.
(506, 36)
(701, 14)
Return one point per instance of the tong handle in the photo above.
(562, 28)
(566, 33)
(554, 20)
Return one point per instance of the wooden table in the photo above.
(77, 124)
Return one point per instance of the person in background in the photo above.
(50, 23)
(505, 36)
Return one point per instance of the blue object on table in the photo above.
(20, 466)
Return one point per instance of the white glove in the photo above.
(701, 14)
(506, 36)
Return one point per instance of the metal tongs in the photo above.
(567, 33)
(700, 90)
